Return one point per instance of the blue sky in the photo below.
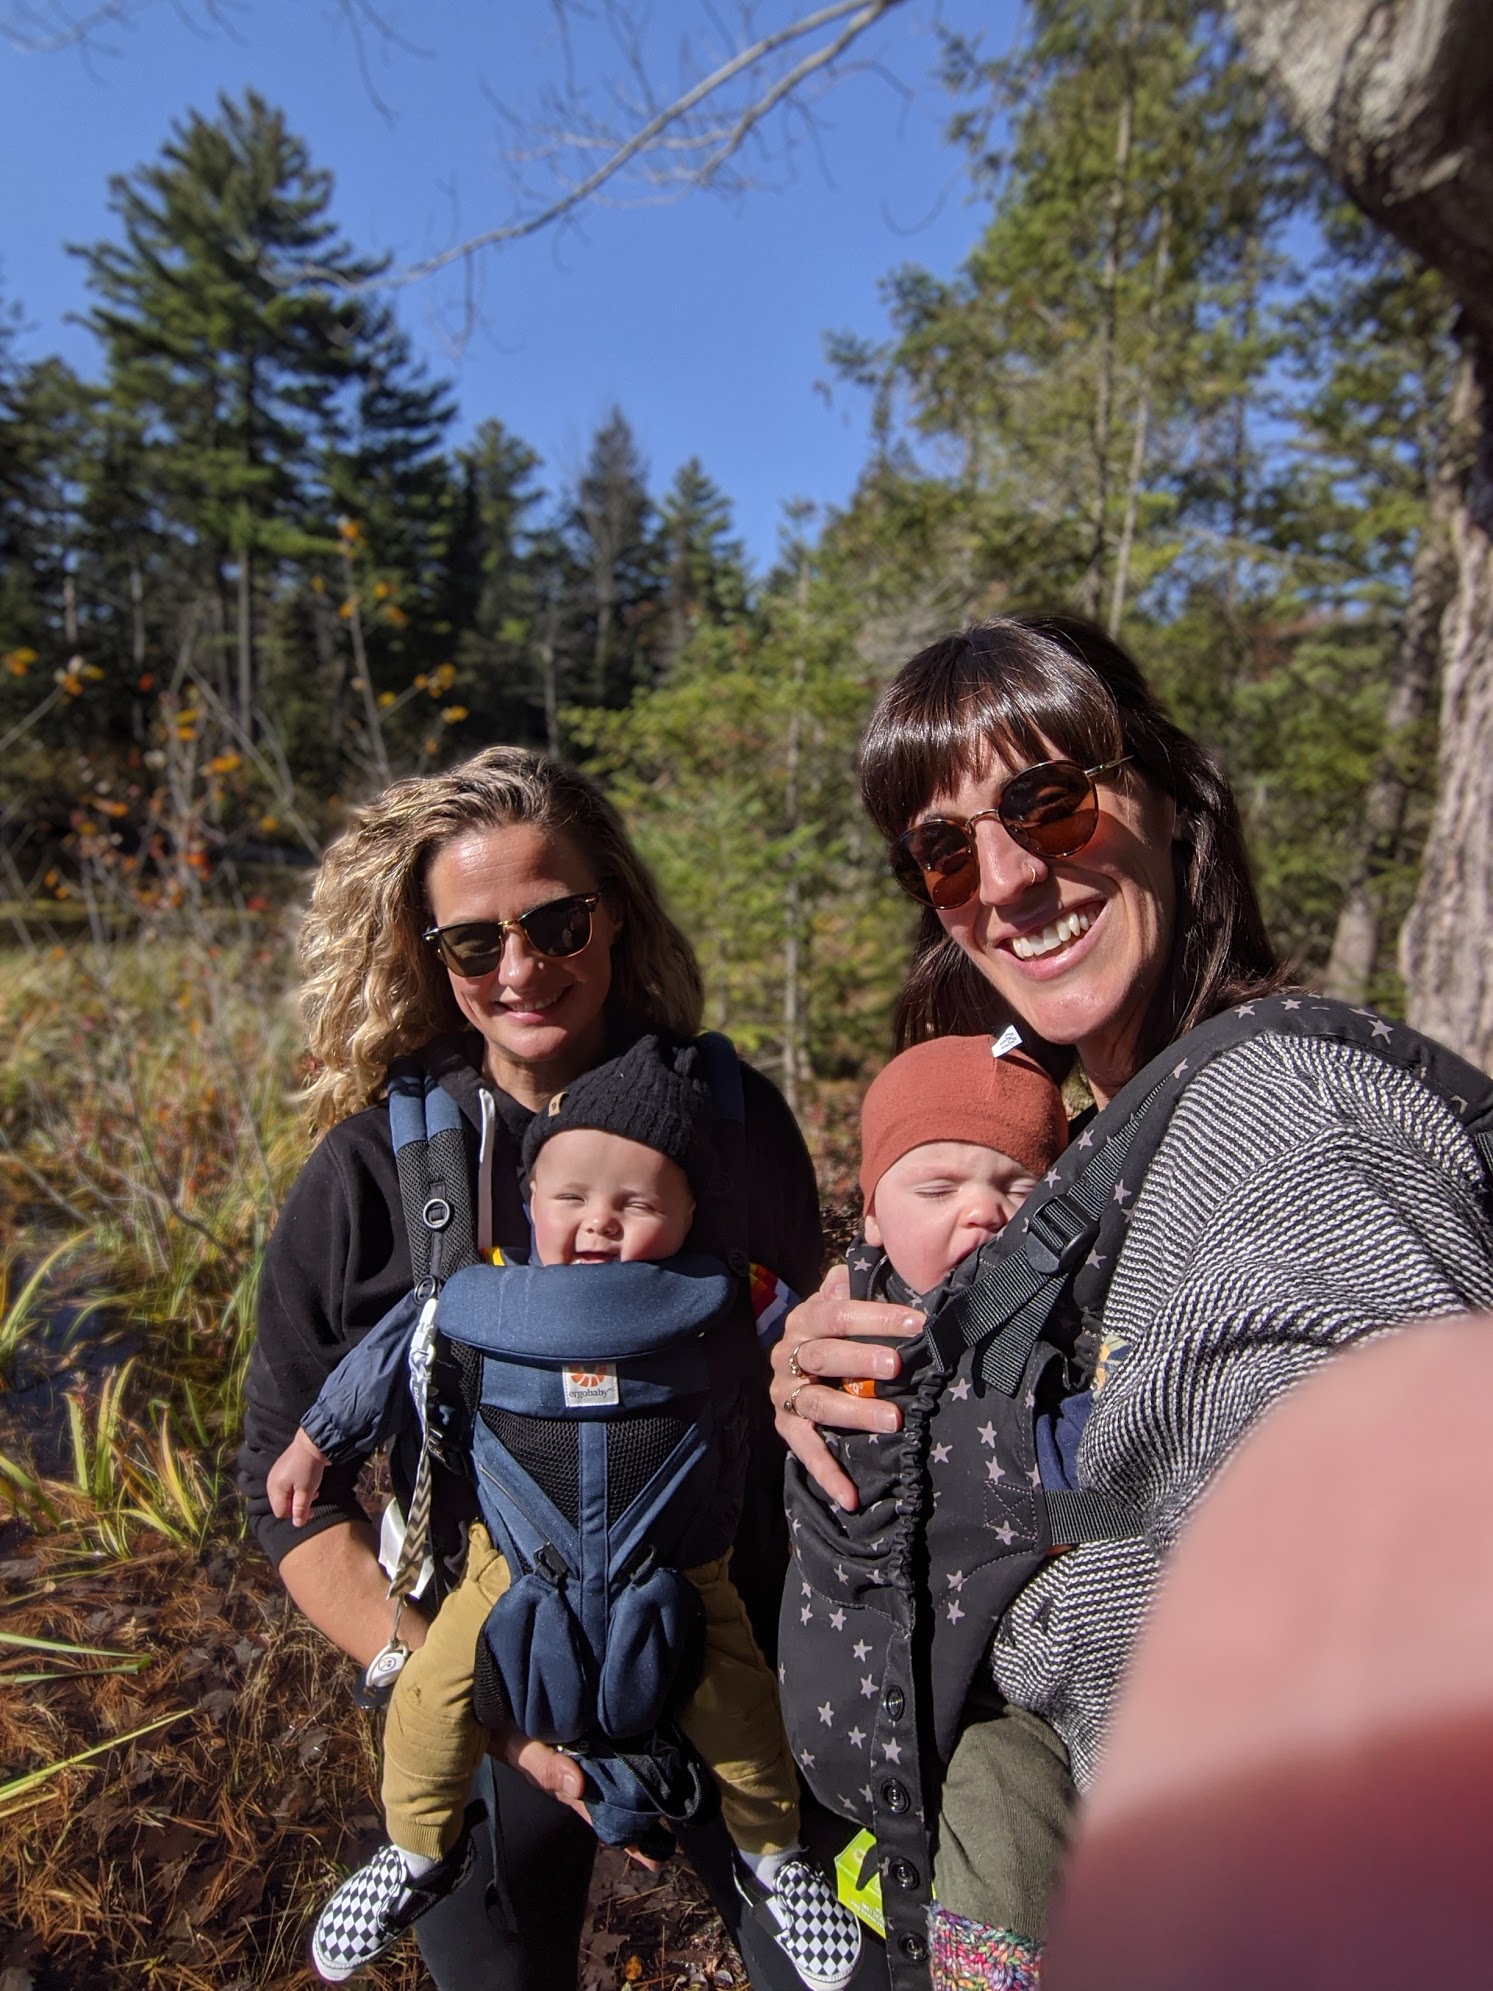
(703, 318)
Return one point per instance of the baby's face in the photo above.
(938, 1202)
(596, 1197)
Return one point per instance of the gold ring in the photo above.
(790, 1402)
(795, 1367)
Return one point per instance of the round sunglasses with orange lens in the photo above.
(1050, 809)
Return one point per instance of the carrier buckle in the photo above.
(1057, 1236)
(643, 1564)
(551, 1565)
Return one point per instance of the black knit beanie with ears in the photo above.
(655, 1093)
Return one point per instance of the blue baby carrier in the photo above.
(601, 1415)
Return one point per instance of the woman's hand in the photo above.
(553, 1771)
(822, 1338)
(546, 1768)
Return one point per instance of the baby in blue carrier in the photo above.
(615, 1165)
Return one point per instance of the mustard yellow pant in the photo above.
(432, 1743)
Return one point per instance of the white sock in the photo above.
(763, 1867)
(417, 1865)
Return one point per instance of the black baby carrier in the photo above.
(601, 1415)
(889, 1610)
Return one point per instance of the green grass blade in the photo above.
(34, 1778)
(29, 1643)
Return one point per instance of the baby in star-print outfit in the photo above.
(955, 1134)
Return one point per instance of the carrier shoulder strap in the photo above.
(435, 1184)
(436, 1194)
(1073, 1226)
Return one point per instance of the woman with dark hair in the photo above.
(1030, 689)
(1083, 878)
(494, 922)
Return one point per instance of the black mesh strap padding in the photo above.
(636, 1447)
(453, 1244)
(435, 1182)
(489, 1702)
(548, 1449)
(414, 1193)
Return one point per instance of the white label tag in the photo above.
(594, 1385)
(1008, 1040)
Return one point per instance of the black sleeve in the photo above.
(783, 1227)
(783, 1232)
(335, 1263)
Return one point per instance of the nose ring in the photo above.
(1031, 872)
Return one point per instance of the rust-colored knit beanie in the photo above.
(956, 1089)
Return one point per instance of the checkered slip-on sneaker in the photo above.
(374, 1906)
(810, 1924)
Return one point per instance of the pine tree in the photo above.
(503, 592)
(611, 527)
(704, 568)
(45, 419)
(229, 334)
(1372, 500)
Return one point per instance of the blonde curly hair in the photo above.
(375, 989)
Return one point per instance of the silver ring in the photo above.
(795, 1367)
(790, 1402)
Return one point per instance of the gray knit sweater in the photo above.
(1307, 1194)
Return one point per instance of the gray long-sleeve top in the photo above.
(1307, 1194)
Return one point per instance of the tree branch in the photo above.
(697, 155)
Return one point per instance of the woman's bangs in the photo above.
(946, 717)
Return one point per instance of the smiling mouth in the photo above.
(528, 1008)
(1033, 946)
(595, 1257)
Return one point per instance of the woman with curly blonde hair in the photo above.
(374, 986)
(495, 922)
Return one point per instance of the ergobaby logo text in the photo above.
(595, 1385)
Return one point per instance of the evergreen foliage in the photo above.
(248, 572)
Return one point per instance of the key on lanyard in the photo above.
(384, 1668)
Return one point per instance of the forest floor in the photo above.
(236, 1783)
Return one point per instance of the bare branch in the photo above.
(697, 153)
(359, 16)
(43, 30)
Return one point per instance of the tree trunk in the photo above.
(138, 643)
(793, 1030)
(1142, 425)
(1444, 950)
(549, 681)
(246, 642)
(1398, 102)
(373, 723)
(1091, 588)
(1356, 940)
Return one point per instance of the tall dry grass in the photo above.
(180, 1764)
